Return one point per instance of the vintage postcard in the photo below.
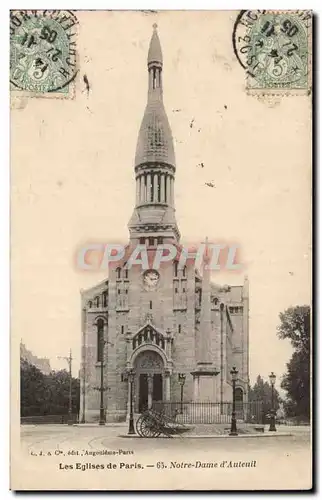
(161, 168)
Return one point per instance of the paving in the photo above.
(263, 461)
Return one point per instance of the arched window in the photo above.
(105, 295)
(118, 273)
(176, 268)
(100, 339)
(90, 304)
(97, 301)
(126, 274)
(184, 272)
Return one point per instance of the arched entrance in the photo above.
(149, 372)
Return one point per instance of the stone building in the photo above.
(166, 321)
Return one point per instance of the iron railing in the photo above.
(211, 413)
(49, 419)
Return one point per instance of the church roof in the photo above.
(155, 52)
(155, 142)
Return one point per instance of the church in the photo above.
(165, 324)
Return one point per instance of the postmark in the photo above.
(43, 56)
(274, 48)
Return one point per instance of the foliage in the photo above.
(46, 394)
(295, 326)
(262, 391)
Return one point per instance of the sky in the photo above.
(72, 175)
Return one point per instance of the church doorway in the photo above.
(143, 392)
(156, 382)
(149, 370)
(157, 387)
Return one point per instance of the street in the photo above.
(93, 457)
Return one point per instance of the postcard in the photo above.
(161, 169)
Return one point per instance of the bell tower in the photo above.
(154, 213)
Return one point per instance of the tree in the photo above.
(46, 394)
(262, 391)
(295, 326)
(31, 389)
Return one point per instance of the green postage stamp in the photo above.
(42, 51)
(274, 47)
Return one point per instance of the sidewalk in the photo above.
(214, 436)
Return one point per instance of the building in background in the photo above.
(43, 364)
(160, 322)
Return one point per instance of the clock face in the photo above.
(151, 279)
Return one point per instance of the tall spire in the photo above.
(155, 143)
(155, 52)
(154, 214)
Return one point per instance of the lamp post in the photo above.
(128, 376)
(131, 374)
(69, 360)
(101, 388)
(272, 378)
(233, 428)
(182, 380)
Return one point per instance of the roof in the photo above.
(155, 142)
(155, 52)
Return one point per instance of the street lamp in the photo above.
(272, 378)
(233, 428)
(128, 376)
(182, 380)
(131, 422)
(101, 388)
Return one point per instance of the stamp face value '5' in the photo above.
(273, 48)
(42, 50)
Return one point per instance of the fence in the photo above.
(49, 419)
(211, 413)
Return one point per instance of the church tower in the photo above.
(162, 335)
(153, 218)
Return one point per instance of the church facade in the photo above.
(160, 322)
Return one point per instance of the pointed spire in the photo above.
(155, 52)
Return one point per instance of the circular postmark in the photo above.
(272, 46)
(42, 50)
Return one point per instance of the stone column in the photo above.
(150, 389)
(155, 187)
(138, 188)
(142, 188)
(168, 180)
(162, 182)
(196, 388)
(148, 188)
(167, 386)
(172, 191)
